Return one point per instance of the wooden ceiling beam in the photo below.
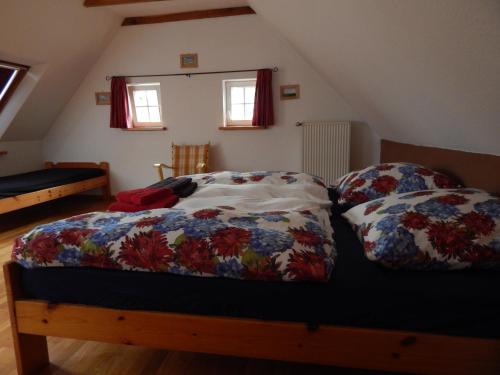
(101, 3)
(185, 16)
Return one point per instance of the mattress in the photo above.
(359, 293)
(44, 179)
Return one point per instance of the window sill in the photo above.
(146, 129)
(234, 127)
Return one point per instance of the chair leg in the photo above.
(159, 170)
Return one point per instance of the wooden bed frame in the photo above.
(29, 199)
(33, 320)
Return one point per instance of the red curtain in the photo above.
(263, 113)
(121, 117)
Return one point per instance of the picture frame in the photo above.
(189, 60)
(103, 98)
(288, 92)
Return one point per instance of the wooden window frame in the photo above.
(226, 99)
(145, 86)
(21, 72)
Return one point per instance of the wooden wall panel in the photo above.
(474, 170)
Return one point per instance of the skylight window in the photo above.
(145, 102)
(10, 76)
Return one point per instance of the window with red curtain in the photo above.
(239, 96)
(11, 75)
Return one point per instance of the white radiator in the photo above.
(326, 149)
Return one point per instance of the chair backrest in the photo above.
(189, 159)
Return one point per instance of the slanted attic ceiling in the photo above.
(418, 71)
(63, 38)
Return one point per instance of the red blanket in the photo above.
(143, 196)
(167, 202)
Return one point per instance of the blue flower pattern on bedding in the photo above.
(292, 245)
(381, 180)
(443, 229)
(240, 178)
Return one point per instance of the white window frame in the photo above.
(145, 86)
(226, 88)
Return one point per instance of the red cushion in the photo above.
(126, 196)
(149, 195)
(166, 202)
(142, 196)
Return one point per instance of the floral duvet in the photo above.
(255, 225)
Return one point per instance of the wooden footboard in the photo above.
(33, 320)
(29, 199)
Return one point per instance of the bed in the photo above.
(57, 180)
(276, 323)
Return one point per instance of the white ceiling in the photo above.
(172, 6)
(418, 71)
(61, 40)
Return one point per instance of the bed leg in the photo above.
(106, 192)
(32, 353)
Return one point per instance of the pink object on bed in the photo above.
(166, 202)
(143, 196)
(150, 195)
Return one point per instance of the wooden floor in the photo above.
(79, 357)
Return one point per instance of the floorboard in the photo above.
(70, 357)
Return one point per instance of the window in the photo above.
(145, 102)
(10, 76)
(239, 95)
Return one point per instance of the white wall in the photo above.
(22, 156)
(61, 40)
(192, 107)
(418, 71)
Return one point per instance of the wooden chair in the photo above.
(186, 159)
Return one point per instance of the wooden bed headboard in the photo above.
(104, 165)
(473, 170)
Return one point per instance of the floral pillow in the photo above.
(378, 181)
(444, 229)
(257, 177)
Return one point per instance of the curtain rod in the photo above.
(108, 78)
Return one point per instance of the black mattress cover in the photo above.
(44, 179)
(359, 293)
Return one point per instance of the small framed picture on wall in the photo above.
(289, 92)
(189, 60)
(103, 98)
